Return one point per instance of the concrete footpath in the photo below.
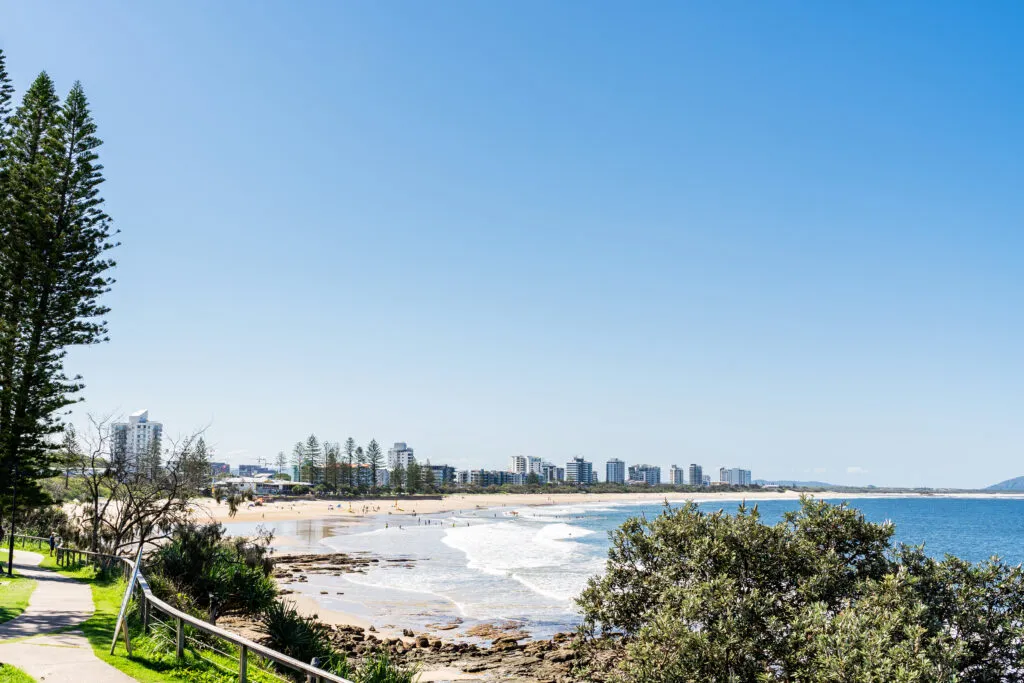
(57, 603)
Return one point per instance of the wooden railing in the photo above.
(152, 606)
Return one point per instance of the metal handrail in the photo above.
(245, 645)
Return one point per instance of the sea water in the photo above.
(527, 564)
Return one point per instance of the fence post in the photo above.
(243, 664)
(181, 639)
(309, 677)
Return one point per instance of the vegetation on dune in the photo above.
(821, 596)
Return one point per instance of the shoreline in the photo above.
(339, 511)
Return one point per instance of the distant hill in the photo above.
(1016, 484)
(795, 484)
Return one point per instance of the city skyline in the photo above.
(748, 236)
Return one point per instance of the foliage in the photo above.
(378, 668)
(42, 521)
(375, 459)
(54, 237)
(820, 596)
(217, 573)
(299, 637)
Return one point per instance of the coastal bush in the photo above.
(821, 596)
(216, 573)
(378, 668)
(301, 638)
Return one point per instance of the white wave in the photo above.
(544, 559)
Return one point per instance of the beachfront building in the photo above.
(444, 475)
(219, 469)
(551, 473)
(254, 470)
(261, 486)
(400, 455)
(734, 476)
(490, 478)
(707, 480)
(134, 440)
(535, 465)
(646, 474)
(579, 471)
(615, 471)
(676, 475)
(383, 477)
(522, 464)
(696, 475)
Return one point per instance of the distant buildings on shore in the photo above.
(526, 470)
(734, 476)
(645, 474)
(615, 471)
(400, 455)
(135, 441)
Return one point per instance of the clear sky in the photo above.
(778, 235)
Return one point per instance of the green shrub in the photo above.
(821, 596)
(378, 668)
(299, 637)
(217, 574)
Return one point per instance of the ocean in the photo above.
(526, 564)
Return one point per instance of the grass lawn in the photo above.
(10, 674)
(153, 659)
(14, 594)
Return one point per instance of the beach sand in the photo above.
(206, 509)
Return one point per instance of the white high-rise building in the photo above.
(517, 464)
(579, 471)
(734, 476)
(132, 440)
(400, 455)
(676, 475)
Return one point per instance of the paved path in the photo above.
(57, 603)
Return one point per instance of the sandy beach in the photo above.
(206, 509)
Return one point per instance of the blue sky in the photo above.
(784, 236)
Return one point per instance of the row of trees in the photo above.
(335, 465)
(54, 239)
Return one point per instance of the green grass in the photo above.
(153, 659)
(14, 594)
(32, 546)
(10, 674)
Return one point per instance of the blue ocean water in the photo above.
(526, 564)
(973, 529)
